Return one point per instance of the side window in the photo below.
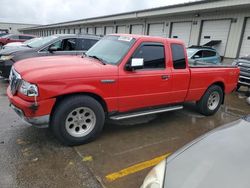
(69, 44)
(57, 45)
(25, 37)
(152, 54)
(14, 37)
(178, 54)
(85, 44)
(198, 54)
(208, 53)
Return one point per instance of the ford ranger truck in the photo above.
(121, 76)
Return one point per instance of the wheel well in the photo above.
(96, 97)
(221, 84)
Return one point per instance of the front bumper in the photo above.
(41, 121)
(38, 116)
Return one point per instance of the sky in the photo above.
(53, 11)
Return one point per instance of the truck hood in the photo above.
(44, 69)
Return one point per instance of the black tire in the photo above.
(203, 104)
(65, 108)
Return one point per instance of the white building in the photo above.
(13, 27)
(196, 23)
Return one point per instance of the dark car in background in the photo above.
(244, 64)
(14, 38)
(219, 159)
(62, 44)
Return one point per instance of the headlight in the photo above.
(155, 177)
(28, 89)
(6, 57)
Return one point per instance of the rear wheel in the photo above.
(211, 101)
(77, 120)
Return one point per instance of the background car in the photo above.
(244, 64)
(63, 44)
(218, 159)
(203, 54)
(18, 44)
(2, 34)
(14, 38)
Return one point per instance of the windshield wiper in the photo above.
(28, 46)
(98, 58)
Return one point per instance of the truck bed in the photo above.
(204, 75)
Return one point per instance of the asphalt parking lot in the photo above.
(120, 158)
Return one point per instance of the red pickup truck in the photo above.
(122, 76)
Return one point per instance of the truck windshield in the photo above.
(111, 49)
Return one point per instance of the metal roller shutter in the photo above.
(216, 30)
(245, 47)
(156, 29)
(109, 30)
(121, 29)
(137, 29)
(91, 31)
(99, 31)
(182, 30)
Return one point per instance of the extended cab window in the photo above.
(152, 54)
(178, 54)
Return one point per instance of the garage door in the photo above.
(99, 31)
(182, 30)
(245, 47)
(77, 30)
(216, 30)
(137, 29)
(109, 30)
(121, 29)
(91, 31)
(156, 29)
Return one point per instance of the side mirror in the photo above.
(52, 49)
(196, 57)
(136, 63)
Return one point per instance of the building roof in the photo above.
(195, 6)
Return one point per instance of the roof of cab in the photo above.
(137, 37)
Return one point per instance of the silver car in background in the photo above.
(219, 159)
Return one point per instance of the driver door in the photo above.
(149, 86)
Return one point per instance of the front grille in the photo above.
(244, 66)
(15, 80)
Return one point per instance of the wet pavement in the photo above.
(31, 157)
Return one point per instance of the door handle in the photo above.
(165, 77)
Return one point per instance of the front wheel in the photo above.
(211, 101)
(77, 120)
